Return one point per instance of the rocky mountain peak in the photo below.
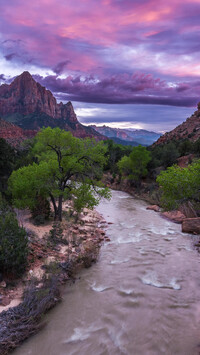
(31, 106)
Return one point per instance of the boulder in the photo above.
(153, 208)
(175, 216)
(191, 225)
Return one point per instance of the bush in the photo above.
(179, 185)
(41, 210)
(13, 245)
(39, 220)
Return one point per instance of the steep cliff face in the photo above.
(25, 96)
(190, 129)
(31, 106)
(13, 134)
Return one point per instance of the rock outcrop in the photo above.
(13, 134)
(191, 225)
(175, 216)
(190, 129)
(31, 106)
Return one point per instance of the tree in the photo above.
(13, 242)
(164, 155)
(7, 158)
(67, 167)
(114, 153)
(135, 165)
(179, 185)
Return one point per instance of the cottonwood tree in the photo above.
(135, 165)
(179, 185)
(67, 168)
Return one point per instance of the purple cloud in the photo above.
(136, 89)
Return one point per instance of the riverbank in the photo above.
(57, 251)
(148, 191)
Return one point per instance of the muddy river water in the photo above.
(141, 298)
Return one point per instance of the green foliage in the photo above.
(180, 184)
(67, 166)
(85, 196)
(7, 159)
(135, 166)
(114, 153)
(13, 244)
(41, 211)
(28, 182)
(165, 155)
(185, 147)
(23, 155)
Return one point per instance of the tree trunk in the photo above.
(60, 207)
(55, 207)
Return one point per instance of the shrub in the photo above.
(13, 245)
(41, 210)
(179, 185)
(39, 219)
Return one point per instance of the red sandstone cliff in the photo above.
(31, 106)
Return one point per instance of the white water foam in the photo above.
(151, 279)
(99, 288)
(81, 334)
(118, 261)
(124, 196)
(126, 291)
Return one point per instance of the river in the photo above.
(141, 298)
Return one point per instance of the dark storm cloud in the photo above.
(138, 89)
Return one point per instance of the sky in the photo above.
(123, 63)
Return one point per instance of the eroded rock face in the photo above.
(25, 96)
(13, 134)
(190, 129)
(191, 225)
(31, 106)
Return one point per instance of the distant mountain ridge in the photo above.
(133, 136)
(189, 129)
(31, 106)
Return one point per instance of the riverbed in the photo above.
(141, 298)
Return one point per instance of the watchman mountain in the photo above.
(30, 106)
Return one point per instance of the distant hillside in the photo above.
(189, 129)
(13, 134)
(123, 142)
(136, 136)
(31, 106)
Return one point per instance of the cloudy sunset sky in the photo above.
(124, 63)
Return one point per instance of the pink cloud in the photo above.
(107, 40)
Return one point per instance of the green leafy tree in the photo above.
(13, 242)
(135, 165)
(179, 185)
(7, 159)
(114, 153)
(185, 147)
(67, 167)
(164, 155)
